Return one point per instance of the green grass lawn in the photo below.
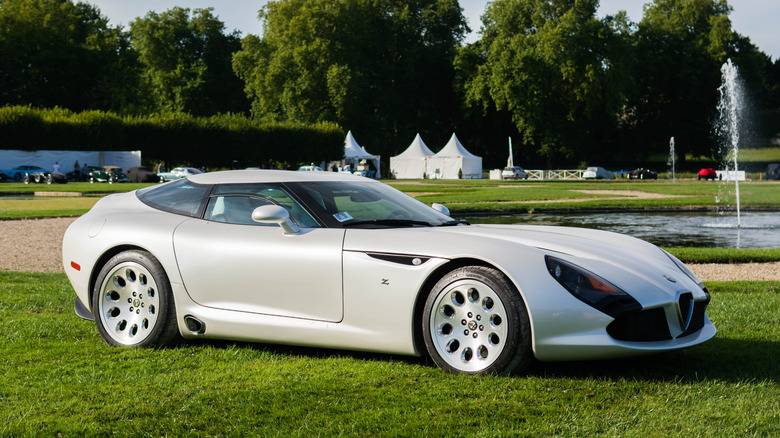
(759, 154)
(463, 197)
(726, 255)
(471, 196)
(60, 379)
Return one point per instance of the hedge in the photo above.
(217, 140)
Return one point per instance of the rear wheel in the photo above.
(133, 303)
(475, 322)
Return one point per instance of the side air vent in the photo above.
(403, 259)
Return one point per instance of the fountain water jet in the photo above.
(671, 157)
(730, 109)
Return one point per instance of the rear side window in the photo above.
(180, 197)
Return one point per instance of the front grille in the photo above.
(641, 326)
(651, 325)
(697, 319)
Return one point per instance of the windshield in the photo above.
(347, 204)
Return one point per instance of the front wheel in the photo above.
(475, 322)
(133, 302)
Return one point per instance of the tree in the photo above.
(559, 71)
(382, 67)
(60, 53)
(681, 45)
(187, 62)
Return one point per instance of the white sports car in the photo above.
(178, 172)
(333, 260)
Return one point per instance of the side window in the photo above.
(233, 209)
(230, 203)
(180, 197)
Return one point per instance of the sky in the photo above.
(757, 19)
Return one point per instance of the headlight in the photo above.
(686, 270)
(590, 288)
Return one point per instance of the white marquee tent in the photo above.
(452, 159)
(353, 154)
(411, 163)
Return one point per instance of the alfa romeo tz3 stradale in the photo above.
(333, 260)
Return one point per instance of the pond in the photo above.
(706, 230)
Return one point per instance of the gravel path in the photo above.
(36, 246)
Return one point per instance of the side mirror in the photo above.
(274, 214)
(440, 208)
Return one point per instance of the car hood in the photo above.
(627, 262)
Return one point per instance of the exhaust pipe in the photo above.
(195, 325)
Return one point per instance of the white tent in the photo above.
(412, 162)
(353, 154)
(452, 160)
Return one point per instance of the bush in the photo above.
(172, 137)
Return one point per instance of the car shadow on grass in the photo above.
(723, 359)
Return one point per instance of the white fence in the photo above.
(560, 174)
(730, 175)
(539, 174)
(535, 174)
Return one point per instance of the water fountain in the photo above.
(671, 157)
(730, 108)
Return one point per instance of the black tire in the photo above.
(475, 322)
(133, 302)
(18, 176)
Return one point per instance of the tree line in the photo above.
(566, 85)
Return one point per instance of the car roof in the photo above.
(263, 175)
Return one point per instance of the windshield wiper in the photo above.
(387, 222)
(454, 222)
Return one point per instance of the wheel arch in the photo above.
(433, 278)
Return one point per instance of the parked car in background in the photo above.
(45, 177)
(642, 173)
(109, 174)
(18, 172)
(708, 174)
(178, 172)
(514, 172)
(597, 173)
(141, 174)
(83, 173)
(311, 168)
